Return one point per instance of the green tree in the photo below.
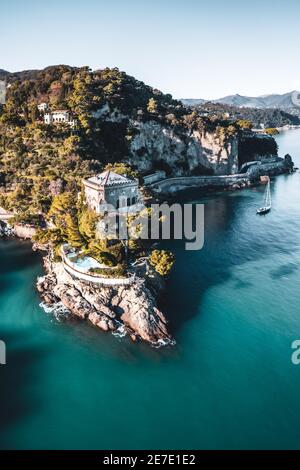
(121, 169)
(152, 106)
(271, 131)
(62, 204)
(244, 124)
(73, 234)
(162, 261)
(87, 224)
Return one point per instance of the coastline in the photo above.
(132, 309)
(120, 309)
(170, 187)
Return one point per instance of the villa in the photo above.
(43, 107)
(59, 116)
(109, 188)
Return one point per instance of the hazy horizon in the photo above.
(190, 49)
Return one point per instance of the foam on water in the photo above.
(58, 310)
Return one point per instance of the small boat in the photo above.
(267, 201)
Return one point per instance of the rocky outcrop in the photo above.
(24, 231)
(161, 144)
(157, 146)
(21, 231)
(132, 309)
(271, 167)
(5, 230)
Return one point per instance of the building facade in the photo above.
(55, 117)
(109, 190)
(43, 107)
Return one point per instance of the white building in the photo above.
(55, 117)
(43, 107)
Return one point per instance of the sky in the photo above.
(189, 48)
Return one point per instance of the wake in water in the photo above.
(162, 343)
(120, 332)
(58, 310)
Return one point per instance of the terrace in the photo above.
(85, 268)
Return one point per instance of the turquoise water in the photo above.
(228, 383)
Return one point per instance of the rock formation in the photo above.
(130, 308)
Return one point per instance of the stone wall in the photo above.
(83, 275)
(154, 177)
(98, 279)
(173, 185)
(170, 186)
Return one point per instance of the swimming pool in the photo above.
(85, 263)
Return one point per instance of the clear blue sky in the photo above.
(190, 48)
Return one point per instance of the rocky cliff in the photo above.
(119, 119)
(206, 150)
(131, 309)
(155, 146)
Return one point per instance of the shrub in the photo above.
(272, 131)
(162, 261)
(117, 272)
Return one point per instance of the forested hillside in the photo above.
(268, 118)
(119, 119)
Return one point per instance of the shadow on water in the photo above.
(284, 270)
(16, 256)
(16, 376)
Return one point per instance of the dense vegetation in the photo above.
(250, 148)
(42, 166)
(37, 162)
(269, 118)
(162, 261)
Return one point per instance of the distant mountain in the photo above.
(3, 74)
(284, 101)
(280, 101)
(274, 101)
(260, 117)
(241, 101)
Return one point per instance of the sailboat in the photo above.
(267, 201)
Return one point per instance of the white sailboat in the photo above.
(267, 201)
